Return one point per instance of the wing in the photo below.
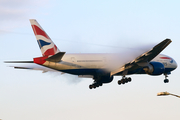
(144, 59)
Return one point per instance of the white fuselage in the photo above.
(71, 63)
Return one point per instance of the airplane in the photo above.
(98, 66)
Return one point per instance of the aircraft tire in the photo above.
(90, 86)
(119, 82)
(129, 79)
(166, 81)
(126, 80)
(123, 81)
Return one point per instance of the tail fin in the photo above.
(48, 48)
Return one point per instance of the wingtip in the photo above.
(167, 39)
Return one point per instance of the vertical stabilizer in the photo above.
(48, 48)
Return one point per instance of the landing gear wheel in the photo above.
(166, 81)
(119, 82)
(124, 80)
(90, 86)
(129, 79)
(95, 85)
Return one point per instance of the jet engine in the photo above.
(154, 68)
(103, 76)
(106, 79)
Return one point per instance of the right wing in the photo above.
(144, 59)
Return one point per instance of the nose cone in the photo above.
(174, 64)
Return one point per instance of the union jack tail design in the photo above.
(48, 48)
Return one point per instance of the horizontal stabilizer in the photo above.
(43, 71)
(22, 68)
(32, 66)
(18, 61)
(57, 57)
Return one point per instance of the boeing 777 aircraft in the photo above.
(97, 66)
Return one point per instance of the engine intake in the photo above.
(154, 68)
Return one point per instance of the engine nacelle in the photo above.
(107, 79)
(154, 68)
(103, 76)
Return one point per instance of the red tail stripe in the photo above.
(40, 60)
(38, 31)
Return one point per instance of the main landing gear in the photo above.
(166, 80)
(124, 80)
(95, 84)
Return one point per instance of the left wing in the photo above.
(144, 59)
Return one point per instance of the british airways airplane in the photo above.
(96, 66)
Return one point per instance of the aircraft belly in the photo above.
(80, 71)
(76, 69)
(58, 66)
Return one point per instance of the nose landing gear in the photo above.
(166, 80)
(124, 80)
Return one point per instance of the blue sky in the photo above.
(87, 27)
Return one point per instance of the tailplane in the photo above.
(48, 48)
